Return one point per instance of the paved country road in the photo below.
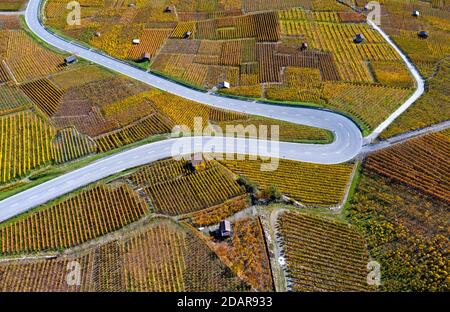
(347, 142)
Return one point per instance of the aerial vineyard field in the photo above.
(322, 254)
(99, 91)
(392, 74)
(27, 60)
(182, 28)
(4, 75)
(403, 28)
(369, 103)
(263, 5)
(91, 122)
(337, 38)
(69, 144)
(183, 111)
(300, 84)
(151, 41)
(26, 142)
(272, 60)
(79, 76)
(12, 99)
(254, 91)
(173, 188)
(215, 214)
(128, 110)
(43, 275)
(117, 40)
(72, 221)
(11, 5)
(8, 22)
(407, 233)
(168, 258)
(247, 253)
(311, 184)
(430, 108)
(170, 279)
(195, 74)
(287, 131)
(422, 163)
(160, 256)
(141, 129)
(44, 94)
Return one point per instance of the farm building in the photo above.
(197, 163)
(416, 13)
(70, 60)
(145, 57)
(359, 38)
(187, 35)
(423, 34)
(169, 9)
(97, 34)
(304, 46)
(136, 41)
(225, 228)
(224, 85)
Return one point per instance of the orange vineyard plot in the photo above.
(25, 144)
(151, 41)
(75, 220)
(44, 94)
(27, 60)
(422, 163)
(159, 256)
(12, 99)
(69, 144)
(141, 129)
(43, 275)
(322, 254)
(247, 253)
(217, 213)
(174, 188)
(311, 184)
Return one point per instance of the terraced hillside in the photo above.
(322, 254)
(256, 47)
(52, 114)
(431, 56)
(160, 256)
(310, 184)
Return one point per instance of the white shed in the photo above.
(225, 228)
(224, 85)
(136, 41)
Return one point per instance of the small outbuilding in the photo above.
(304, 46)
(70, 60)
(197, 163)
(224, 85)
(97, 34)
(416, 13)
(136, 41)
(145, 57)
(359, 38)
(187, 34)
(170, 9)
(224, 228)
(423, 34)
(131, 5)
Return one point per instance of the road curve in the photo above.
(420, 86)
(347, 136)
(346, 145)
